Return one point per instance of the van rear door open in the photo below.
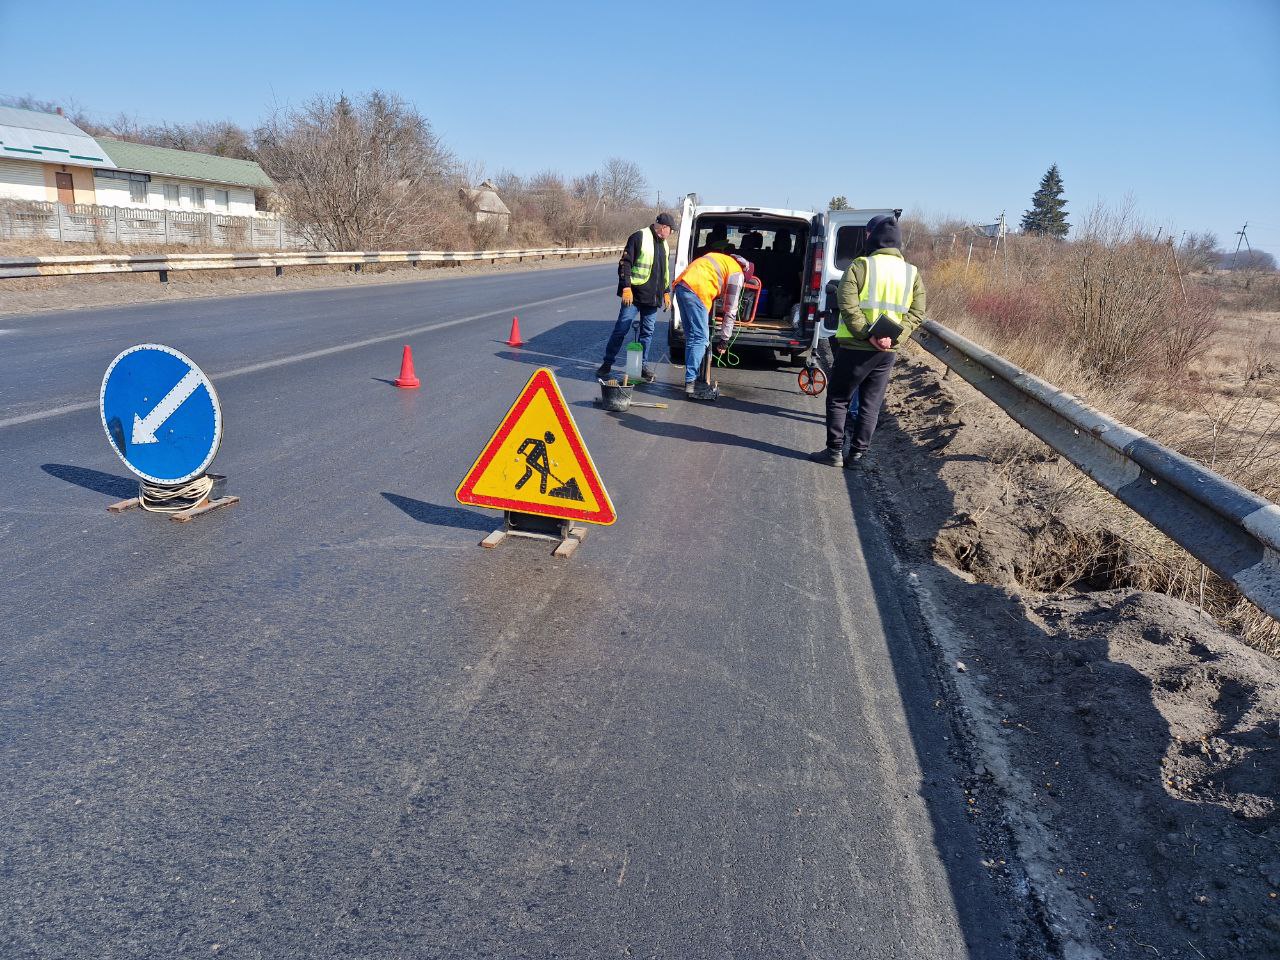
(844, 241)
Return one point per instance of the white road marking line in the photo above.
(313, 354)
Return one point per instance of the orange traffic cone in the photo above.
(407, 379)
(514, 340)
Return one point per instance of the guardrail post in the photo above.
(164, 276)
(279, 271)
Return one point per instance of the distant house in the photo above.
(44, 157)
(147, 176)
(486, 206)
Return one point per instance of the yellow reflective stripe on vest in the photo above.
(642, 268)
(887, 289)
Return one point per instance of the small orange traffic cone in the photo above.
(407, 379)
(514, 340)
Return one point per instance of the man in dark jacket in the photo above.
(644, 284)
(882, 302)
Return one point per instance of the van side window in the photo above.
(850, 244)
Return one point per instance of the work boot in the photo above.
(854, 460)
(648, 375)
(829, 457)
(604, 370)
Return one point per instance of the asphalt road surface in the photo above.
(325, 723)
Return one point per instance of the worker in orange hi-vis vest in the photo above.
(706, 278)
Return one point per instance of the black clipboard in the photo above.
(884, 327)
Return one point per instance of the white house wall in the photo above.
(22, 180)
(115, 193)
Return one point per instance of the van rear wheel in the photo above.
(676, 349)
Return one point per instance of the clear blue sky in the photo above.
(939, 107)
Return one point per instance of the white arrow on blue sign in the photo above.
(161, 414)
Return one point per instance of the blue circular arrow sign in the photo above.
(161, 414)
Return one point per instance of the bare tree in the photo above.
(623, 183)
(361, 173)
(1199, 252)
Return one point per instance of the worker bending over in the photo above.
(710, 276)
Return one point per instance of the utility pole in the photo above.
(1242, 233)
(1000, 232)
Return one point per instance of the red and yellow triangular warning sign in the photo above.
(536, 462)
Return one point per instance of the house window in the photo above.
(138, 191)
(222, 199)
(197, 197)
(172, 193)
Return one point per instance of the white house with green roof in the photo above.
(158, 177)
(44, 157)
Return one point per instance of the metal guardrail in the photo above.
(12, 267)
(1232, 531)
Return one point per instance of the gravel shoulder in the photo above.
(41, 294)
(1131, 747)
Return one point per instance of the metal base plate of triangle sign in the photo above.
(536, 469)
(564, 533)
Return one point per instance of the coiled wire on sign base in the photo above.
(158, 499)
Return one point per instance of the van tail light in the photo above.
(819, 258)
(812, 312)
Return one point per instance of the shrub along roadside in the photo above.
(1113, 318)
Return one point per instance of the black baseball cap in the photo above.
(666, 219)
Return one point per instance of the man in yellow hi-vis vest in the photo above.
(882, 302)
(644, 284)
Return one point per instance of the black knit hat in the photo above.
(883, 232)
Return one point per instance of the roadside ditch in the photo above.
(1133, 746)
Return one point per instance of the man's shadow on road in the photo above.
(696, 434)
(555, 348)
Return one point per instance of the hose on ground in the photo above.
(158, 499)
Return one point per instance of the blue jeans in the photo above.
(693, 317)
(626, 317)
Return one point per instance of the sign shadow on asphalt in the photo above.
(109, 484)
(440, 515)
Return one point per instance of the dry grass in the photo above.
(1192, 361)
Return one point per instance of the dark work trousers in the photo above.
(863, 374)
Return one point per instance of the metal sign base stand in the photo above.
(216, 498)
(563, 532)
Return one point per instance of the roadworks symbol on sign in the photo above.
(536, 462)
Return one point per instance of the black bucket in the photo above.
(615, 397)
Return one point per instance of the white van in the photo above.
(796, 254)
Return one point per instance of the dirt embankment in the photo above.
(1131, 746)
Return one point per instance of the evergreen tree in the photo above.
(838, 203)
(1047, 215)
